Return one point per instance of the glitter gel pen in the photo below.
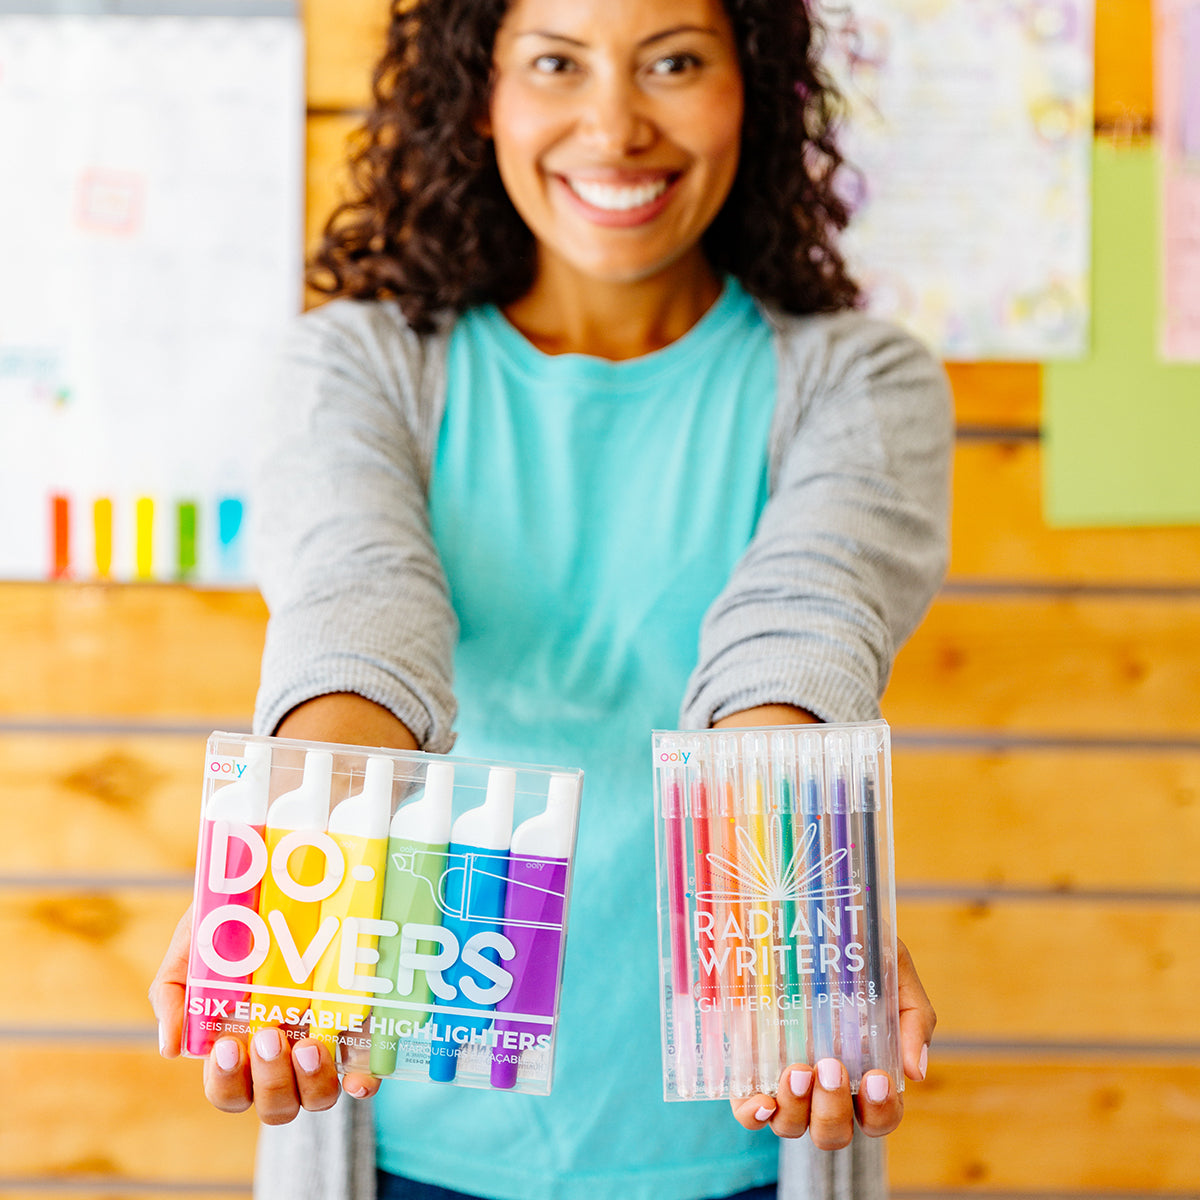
(707, 933)
(843, 913)
(793, 1012)
(683, 1026)
(815, 970)
(733, 917)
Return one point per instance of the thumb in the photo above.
(166, 992)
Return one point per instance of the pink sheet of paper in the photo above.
(1177, 104)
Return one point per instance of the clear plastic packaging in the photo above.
(776, 905)
(407, 909)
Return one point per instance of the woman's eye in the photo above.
(674, 64)
(552, 64)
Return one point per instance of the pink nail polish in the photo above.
(764, 1114)
(923, 1065)
(829, 1072)
(267, 1044)
(876, 1087)
(226, 1054)
(800, 1080)
(308, 1058)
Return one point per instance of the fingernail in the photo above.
(308, 1058)
(877, 1088)
(358, 1093)
(923, 1063)
(764, 1114)
(227, 1054)
(829, 1072)
(268, 1044)
(800, 1080)
(162, 1040)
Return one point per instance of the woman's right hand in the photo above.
(277, 1079)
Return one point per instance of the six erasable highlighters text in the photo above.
(776, 905)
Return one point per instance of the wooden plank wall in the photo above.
(1047, 775)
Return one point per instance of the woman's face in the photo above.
(617, 125)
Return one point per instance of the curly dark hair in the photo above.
(429, 224)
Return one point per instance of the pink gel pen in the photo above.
(534, 914)
(231, 862)
(683, 1027)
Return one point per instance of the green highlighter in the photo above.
(418, 840)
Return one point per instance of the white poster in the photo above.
(151, 247)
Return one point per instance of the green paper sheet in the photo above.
(1122, 427)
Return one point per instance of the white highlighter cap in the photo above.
(307, 807)
(550, 833)
(427, 819)
(367, 813)
(490, 825)
(245, 799)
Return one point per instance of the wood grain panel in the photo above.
(1058, 970)
(83, 959)
(344, 38)
(1047, 1126)
(1047, 818)
(109, 651)
(1100, 666)
(1124, 64)
(117, 1191)
(998, 531)
(1027, 969)
(99, 805)
(996, 394)
(74, 1115)
(327, 174)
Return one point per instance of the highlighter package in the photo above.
(776, 905)
(409, 910)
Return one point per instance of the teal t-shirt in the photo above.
(587, 513)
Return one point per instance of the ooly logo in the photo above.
(670, 756)
(226, 768)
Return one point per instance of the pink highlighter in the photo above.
(232, 860)
(534, 913)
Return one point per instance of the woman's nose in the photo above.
(615, 120)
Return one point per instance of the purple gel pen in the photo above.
(534, 913)
(839, 807)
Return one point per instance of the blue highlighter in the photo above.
(473, 891)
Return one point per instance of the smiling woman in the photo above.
(589, 442)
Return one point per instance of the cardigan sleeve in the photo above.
(344, 554)
(853, 541)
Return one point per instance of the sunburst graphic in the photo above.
(767, 877)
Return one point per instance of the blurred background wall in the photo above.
(1047, 779)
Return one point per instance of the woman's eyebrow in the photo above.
(646, 41)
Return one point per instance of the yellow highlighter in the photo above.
(359, 826)
(304, 862)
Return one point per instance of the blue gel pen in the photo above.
(811, 805)
(474, 886)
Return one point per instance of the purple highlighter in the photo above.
(534, 912)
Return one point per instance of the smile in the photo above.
(617, 197)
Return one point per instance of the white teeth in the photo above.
(616, 198)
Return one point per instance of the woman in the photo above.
(593, 396)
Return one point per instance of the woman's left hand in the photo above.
(818, 1100)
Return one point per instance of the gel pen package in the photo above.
(776, 905)
(407, 909)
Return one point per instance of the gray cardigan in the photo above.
(846, 557)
